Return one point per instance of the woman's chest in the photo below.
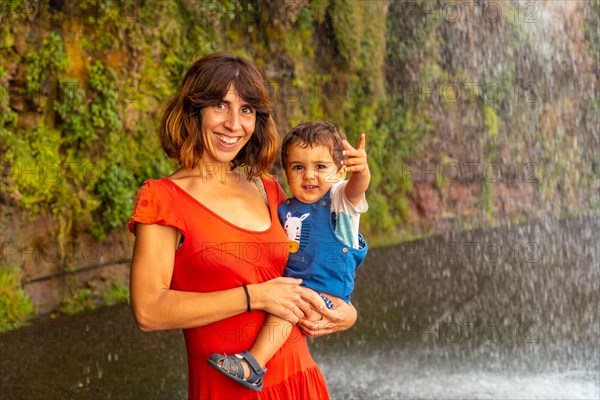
(240, 205)
(218, 256)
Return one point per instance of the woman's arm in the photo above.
(157, 307)
(341, 317)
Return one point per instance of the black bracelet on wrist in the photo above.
(249, 309)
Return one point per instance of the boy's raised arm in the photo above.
(356, 163)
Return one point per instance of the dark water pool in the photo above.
(510, 313)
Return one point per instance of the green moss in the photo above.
(43, 62)
(8, 118)
(85, 117)
(35, 175)
(592, 28)
(442, 181)
(80, 301)
(16, 307)
(117, 293)
(379, 219)
(114, 191)
(487, 201)
(93, 140)
(491, 122)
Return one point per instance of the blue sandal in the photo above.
(233, 368)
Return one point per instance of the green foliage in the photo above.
(77, 167)
(318, 10)
(298, 42)
(16, 307)
(81, 151)
(8, 118)
(347, 25)
(114, 190)
(35, 174)
(89, 298)
(75, 116)
(117, 293)
(592, 29)
(491, 122)
(487, 201)
(43, 62)
(80, 301)
(85, 118)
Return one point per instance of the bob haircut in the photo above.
(315, 133)
(205, 84)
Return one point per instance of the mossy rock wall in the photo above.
(476, 115)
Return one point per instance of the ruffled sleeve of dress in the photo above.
(155, 204)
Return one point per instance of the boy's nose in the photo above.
(310, 173)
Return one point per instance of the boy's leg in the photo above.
(273, 334)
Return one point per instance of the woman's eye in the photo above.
(247, 110)
(220, 106)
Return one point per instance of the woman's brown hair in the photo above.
(205, 84)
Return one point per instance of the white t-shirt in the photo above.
(347, 215)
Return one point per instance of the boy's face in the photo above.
(311, 172)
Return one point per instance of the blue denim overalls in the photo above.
(317, 256)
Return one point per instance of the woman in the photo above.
(209, 251)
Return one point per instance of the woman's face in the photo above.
(227, 127)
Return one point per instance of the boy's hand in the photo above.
(342, 317)
(356, 158)
(356, 162)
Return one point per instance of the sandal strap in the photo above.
(233, 365)
(253, 363)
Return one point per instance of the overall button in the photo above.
(344, 249)
(323, 203)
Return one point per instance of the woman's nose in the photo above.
(232, 121)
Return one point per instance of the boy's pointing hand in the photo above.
(355, 158)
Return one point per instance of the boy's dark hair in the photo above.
(315, 133)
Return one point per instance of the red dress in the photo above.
(217, 255)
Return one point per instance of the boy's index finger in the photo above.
(346, 145)
(362, 142)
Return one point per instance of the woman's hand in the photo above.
(340, 318)
(282, 297)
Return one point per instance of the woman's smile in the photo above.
(227, 141)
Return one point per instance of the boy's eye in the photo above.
(296, 167)
(321, 166)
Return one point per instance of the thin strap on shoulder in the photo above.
(261, 188)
